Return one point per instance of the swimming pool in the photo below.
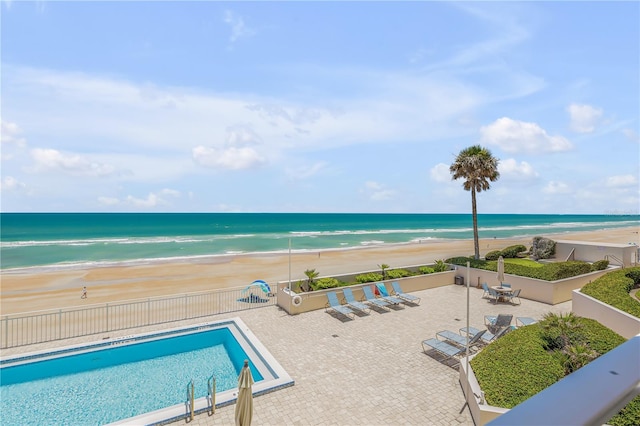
(136, 379)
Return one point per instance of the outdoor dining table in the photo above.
(503, 292)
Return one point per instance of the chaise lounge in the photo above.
(334, 305)
(353, 303)
(402, 295)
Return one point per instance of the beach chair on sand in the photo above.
(353, 303)
(402, 295)
(371, 298)
(384, 294)
(334, 304)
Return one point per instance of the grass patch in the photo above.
(547, 271)
(613, 289)
(523, 262)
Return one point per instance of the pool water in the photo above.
(120, 381)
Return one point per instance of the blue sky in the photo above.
(318, 107)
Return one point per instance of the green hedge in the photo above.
(613, 289)
(398, 273)
(516, 367)
(548, 271)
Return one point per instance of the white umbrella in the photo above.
(501, 270)
(244, 403)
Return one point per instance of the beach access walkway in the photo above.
(367, 371)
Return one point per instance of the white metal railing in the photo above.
(44, 326)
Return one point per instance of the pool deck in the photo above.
(366, 371)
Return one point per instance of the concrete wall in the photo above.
(621, 322)
(314, 300)
(618, 254)
(550, 292)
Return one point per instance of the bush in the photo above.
(324, 283)
(440, 266)
(492, 255)
(370, 277)
(398, 273)
(426, 270)
(634, 274)
(548, 272)
(600, 265)
(513, 251)
(543, 248)
(613, 289)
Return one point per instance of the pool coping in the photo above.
(274, 375)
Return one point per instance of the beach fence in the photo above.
(45, 326)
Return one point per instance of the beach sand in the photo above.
(27, 292)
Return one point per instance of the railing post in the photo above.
(6, 331)
(148, 311)
(185, 307)
(107, 316)
(59, 323)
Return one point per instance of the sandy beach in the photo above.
(26, 292)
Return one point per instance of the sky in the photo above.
(318, 106)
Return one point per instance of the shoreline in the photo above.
(30, 290)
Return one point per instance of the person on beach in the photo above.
(84, 293)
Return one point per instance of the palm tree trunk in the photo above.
(474, 213)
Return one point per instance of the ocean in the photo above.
(74, 240)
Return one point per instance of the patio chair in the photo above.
(506, 285)
(493, 294)
(525, 321)
(486, 338)
(334, 304)
(402, 295)
(515, 295)
(371, 298)
(503, 320)
(461, 340)
(384, 294)
(443, 348)
(353, 303)
(485, 287)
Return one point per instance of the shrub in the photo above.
(543, 248)
(323, 283)
(440, 266)
(600, 265)
(512, 251)
(370, 277)
(426, 270)
(613, 289)
(548, 272)
(634, 274)
(492, 255)
(398, 273)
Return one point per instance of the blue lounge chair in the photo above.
(402, 295)
(501, 321)
(443, 348)
(525, 321)
(461, 340)
(371, 298)
(352, 302)
(334, 304)
(384, 294)
(487, 337)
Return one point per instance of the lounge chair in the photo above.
(525, 321)
(384, 294)
(443, 348)
(461, 340)
(501, 321)
(334, 304)
(371, 298)
(353, 303)
(487, 337)
(515, 295)
(402, 295)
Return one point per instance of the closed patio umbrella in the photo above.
(501, 270)
(244, 403)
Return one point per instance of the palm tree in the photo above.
(311, 276)
(384, 268)
(477, 167)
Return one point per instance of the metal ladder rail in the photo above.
(211, 397)
(190, 401)
(614, 257)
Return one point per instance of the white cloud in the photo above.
(9, 183)
(631, 135)
(554, 187)
(152, 200)
(440, 173)
(108, 201)
(10, 134)
(378, 192)
(238, 28)
(301, 173)
(519, 136)
(230, 158)
(622, 181)
(51, 159)
(584, 118)
(510, 168)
